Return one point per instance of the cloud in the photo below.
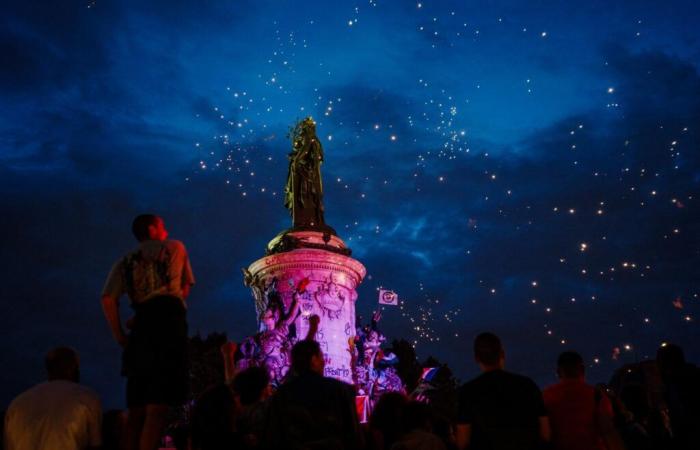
(48, 46)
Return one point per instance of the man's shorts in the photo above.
(155, 358)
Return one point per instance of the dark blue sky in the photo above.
(522, 167)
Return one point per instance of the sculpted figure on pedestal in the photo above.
(303, 193)
(321, 306)
(274, 341)
(257, 285)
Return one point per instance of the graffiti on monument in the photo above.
(337, 372)
(330, 298)
(306, 303)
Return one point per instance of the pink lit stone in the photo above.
(330, 294)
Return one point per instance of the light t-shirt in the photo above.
(56, 415)
(154, 268)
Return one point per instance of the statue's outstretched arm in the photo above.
(293, 310)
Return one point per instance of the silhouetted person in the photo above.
(682, 394)
(417, 426)
(252, 386)
(213, 420)
(580, 415)
(59, 414)
(310, 411)
(499, 410)
(157, 278)
(634, 419)
(386, 419)
(113, 429)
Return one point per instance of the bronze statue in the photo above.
(304, 190)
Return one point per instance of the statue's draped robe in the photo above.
(304, 192)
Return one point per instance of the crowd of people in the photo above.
(496, 410)
(656, 406)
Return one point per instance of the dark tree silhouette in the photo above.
(206, 362)
(408, 368)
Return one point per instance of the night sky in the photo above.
(530, 168)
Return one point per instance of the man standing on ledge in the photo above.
(157, 278)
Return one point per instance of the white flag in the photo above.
(388, 297)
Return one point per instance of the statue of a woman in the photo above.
(274, 339)
(304, 191)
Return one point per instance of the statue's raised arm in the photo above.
(303, 193)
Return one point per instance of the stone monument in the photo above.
(307, 271)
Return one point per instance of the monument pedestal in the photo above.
(321, 262)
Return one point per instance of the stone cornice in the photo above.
(309, 259)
